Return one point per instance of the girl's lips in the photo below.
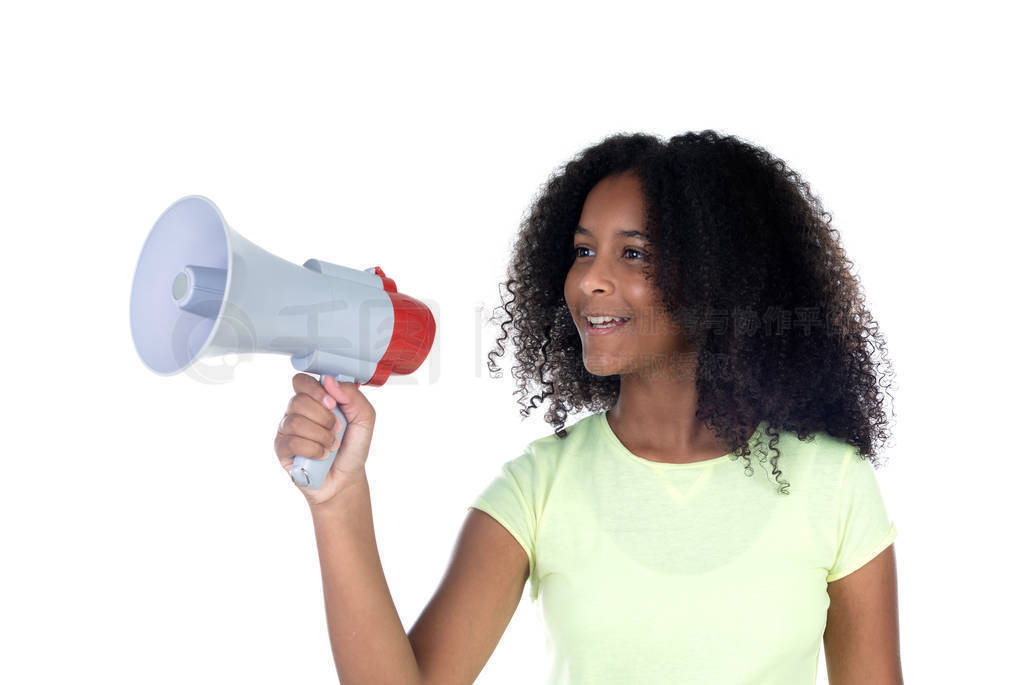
(605, 331)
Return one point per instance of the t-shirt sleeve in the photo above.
(863, 527)
(509, 499)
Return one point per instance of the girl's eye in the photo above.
(575, 252)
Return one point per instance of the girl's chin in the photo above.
(603, 367)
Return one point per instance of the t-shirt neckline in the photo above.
(622, 450)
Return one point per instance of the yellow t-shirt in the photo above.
(669, 574)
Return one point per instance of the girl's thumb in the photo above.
(347, 394)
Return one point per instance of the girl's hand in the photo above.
(310, 428)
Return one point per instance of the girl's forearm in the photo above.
(369, 644)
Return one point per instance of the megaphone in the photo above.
(201, 289)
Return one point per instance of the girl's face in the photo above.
(606, 277)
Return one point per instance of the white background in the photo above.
(149, 533)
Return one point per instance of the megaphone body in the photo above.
(201, 289)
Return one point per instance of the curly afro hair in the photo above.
(744, 260)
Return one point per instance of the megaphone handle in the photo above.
(310, 473)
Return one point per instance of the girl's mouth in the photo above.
(605, 328)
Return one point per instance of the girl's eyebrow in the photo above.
(621, 234)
